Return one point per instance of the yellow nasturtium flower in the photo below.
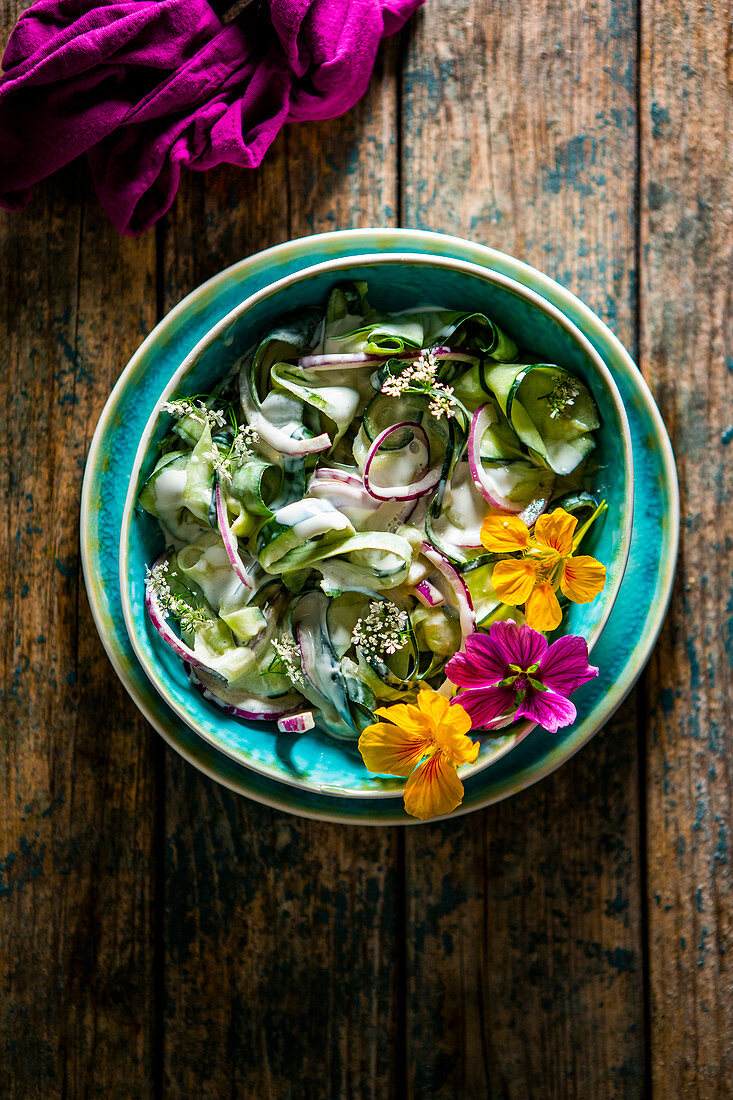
(547, 563)
(426, 742)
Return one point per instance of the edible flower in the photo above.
(512, 673)
(156, 579)
(288, 658)
(420, 376)
(426, 742)
(220, 463)
(547, 562)
(245, 438)
(382, 632)
(562, 398)
(181, 408)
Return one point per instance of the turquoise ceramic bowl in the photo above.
(396, 281)
(622, 650)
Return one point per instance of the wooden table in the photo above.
(161, 936)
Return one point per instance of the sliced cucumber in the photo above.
(499, 440)
(552, 412)
(484, 598)
(378, 336)
(582, 505)
(437, 631)
(298, 525)
(244, 622)
(474, 331)
(518, 485)
(200, 477)
(344, 611)
(383, 411)
(293, 338)
(337, 403)
(351, 298)
(147, 498)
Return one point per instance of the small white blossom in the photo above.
(395, 386)
(244, 440)
(382, 632)
(562, 397)
(421, 375)
(157, 579)
(442, 403)
(220, 463)
(425, 367)
(289, 655)
(190, 617)
(181, 408)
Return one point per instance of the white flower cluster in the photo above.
(421, 375)
(442, 403)
(157, 579)
(220, 462)
(190, 617)
(562, 397)
(289, 654)
(198, 411)
(382, 632)
(244, 440)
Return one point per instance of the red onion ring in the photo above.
(529, 514)
(171, 639)
(230, 540)
(297, 723)
(343, 494)
(408, 492)
(428, 594)
(466, 615)
(336, 359)
(327, 473)
(358, 358)
(482, 419)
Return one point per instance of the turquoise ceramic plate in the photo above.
(632, 627)
(396, 281)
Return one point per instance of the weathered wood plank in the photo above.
(280, 933)
(77, 813)
(524, 965)
(687, 355)
(524, 937)
(343, 173)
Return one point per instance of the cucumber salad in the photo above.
(322, 508)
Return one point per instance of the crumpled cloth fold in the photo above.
(148, 87)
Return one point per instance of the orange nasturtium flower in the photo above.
(547, 563)
(426, 742)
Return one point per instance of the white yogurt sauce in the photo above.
(464, 510)
(168, 487)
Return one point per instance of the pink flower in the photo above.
(512, 673)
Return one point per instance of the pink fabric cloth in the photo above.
(148, 87)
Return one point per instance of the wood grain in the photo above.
(525, 963)
(687, 354)
(77, 812)
(160, 936)
(280, 966)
